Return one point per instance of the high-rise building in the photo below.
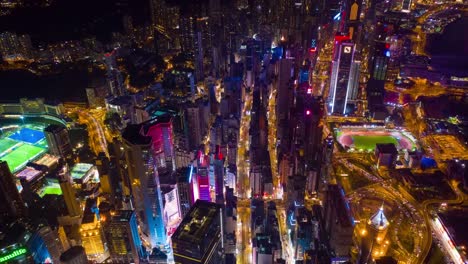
(344, 78)
(121, 232)
(12, 204)
(58, 140)
(198, 239)
(145, 187)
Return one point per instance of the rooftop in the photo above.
(388, 148)
(133, 136)
(164, 119)
(54, 128)
(80, 170)
(379, 221)
(28, 173)
(194, 227)
(122, 216)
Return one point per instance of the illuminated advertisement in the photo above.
(13, 254)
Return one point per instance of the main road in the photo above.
(243, 231)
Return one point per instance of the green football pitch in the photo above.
(52, 189)
(21, 155)
(6, 144)
(369, 142)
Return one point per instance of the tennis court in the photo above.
(28, 135)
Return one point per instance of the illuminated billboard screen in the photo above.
(12, 254)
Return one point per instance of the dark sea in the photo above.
(449, 50)
(67, 86)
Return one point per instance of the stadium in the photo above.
(365, 138)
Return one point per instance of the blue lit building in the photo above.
(145, 187)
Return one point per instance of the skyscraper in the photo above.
(344, 78)
(12, 204)
(121, 232)
(198, 239)
(145, 188)
(58, 140)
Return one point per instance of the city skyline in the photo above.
(233, 131)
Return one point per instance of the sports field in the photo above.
(369, 142)
(362, 139)
(7, 144)
(51, 189)
(22, 145)
(21, 155)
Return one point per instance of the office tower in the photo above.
(339, 221)
(58, 140)
(74, 255)
(68, 193)
(12, 204)
(145, 188)
(344, 78)
(161, 132)
(198, 239)
(121, 232)
(373, 242)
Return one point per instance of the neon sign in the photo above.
(12, 255)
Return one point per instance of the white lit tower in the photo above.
(373, 242)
